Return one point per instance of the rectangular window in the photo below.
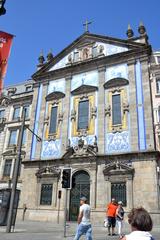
(7, 168)
(16, 113)
(116, 109)
(118, 191)
(13, 137)
(26, 109)
(83, 114)
(1, 114)
(24, 137)
(158, 85)
(53, 121)
(46, 194)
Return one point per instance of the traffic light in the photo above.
(73, 182)
(66, 178)
(2, 9)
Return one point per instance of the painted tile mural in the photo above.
(57, 85)
(62, 63)
(88, 78)
(51, 149)
(117, 142)
(120, 70)
(110, 49)
(89, 140)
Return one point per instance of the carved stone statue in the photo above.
(85, 53)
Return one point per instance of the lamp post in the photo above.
(16, 170)
(2, 8)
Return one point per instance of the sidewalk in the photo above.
(29, 230)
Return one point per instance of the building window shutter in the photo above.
(13, 137)
(158, 85)
(53, 120)
(116, 110)
(2, 114)
(16, 113)
(83, 115)
(7, 168)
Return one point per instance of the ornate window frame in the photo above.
(56, 135)
(124, 109)
(92, 115)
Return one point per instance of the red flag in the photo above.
(5, 46)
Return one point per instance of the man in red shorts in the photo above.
(111, 215)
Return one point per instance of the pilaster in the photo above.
(132, 106)
(66, 112)
(101, 110)
(32, 121)
(41, 122)
(148, 116)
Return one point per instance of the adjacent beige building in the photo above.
(12, 102)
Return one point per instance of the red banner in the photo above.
(5, 46)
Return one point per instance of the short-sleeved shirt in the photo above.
(86, 209)
(111, 210)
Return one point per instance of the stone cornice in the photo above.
(103, 158)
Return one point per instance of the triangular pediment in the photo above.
(86, 48)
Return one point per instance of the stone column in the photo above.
(101, 111)
(147, 104)
(32, 120)
(101, 188)
(66, 113)
(41, 122)
(93, 188)
(129, 193)
(132, 106)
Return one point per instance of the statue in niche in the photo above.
(70, 58)
(85, 53)
(101, 49)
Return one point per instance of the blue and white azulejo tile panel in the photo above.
(57, 85)
(110, 49)
(120, 71)
(88, 140)
(88, 78)
(51, 149)
(117, 142)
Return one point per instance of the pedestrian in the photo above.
(111, 215)
(84, 223)
(141, 225)
(119, 218)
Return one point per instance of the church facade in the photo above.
(92, 109)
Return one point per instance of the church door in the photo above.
(81, 188)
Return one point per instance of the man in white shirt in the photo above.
(84, 224)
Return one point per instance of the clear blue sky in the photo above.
(52, 24)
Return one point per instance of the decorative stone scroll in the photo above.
(81, 149)
(48, 171)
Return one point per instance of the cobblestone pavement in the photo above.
(29, 230)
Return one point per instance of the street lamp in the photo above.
(2, 8)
